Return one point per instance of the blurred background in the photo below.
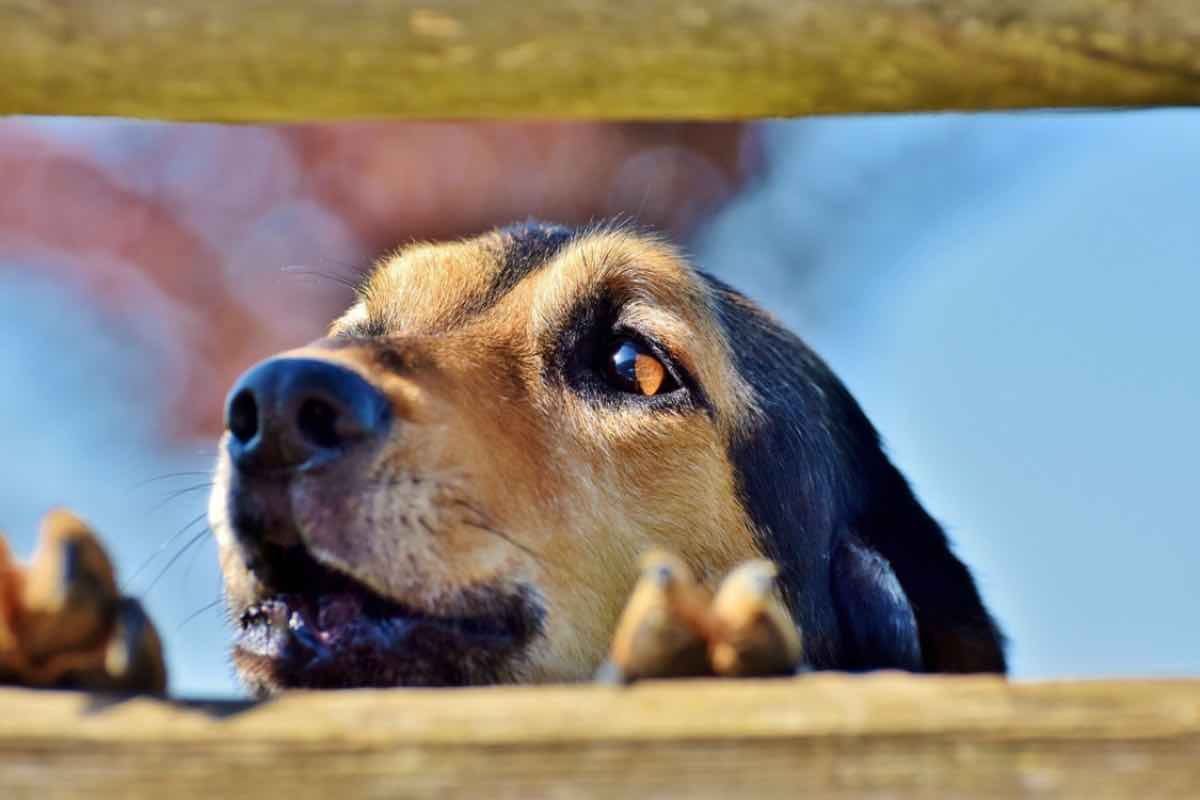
(1012, 298)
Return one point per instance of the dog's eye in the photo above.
(632, 368)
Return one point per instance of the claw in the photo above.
(753, 633)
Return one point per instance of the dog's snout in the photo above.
(292, 413)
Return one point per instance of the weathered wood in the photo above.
(824, 735)
(323, 59)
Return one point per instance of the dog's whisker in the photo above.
(302, 271)
(198, 612)
(162, 547)
(192, 563)
(168, 476)
(180, 493)
(179, 554)
(481, 521)
(488, 529)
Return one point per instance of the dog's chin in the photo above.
(324, 630)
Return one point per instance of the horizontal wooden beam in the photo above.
(263, 60)
(824, 735)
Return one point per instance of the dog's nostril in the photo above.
(243, 416)
(317, 422)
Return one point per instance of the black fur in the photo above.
(877, 621)
(812, 473)
(527, 248)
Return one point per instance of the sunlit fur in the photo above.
(497, 473)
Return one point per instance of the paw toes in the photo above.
(672, 627)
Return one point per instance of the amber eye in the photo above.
(632, 368)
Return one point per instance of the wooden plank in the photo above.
(827, 735)
(261, 60)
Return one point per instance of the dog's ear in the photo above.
(879, 627)
(815, 481)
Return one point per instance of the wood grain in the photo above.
(825, 735)
(261, 60)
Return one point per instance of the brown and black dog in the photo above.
(455, 485)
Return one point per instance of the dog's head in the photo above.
(454, 486)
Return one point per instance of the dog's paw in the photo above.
(672, 627)
(64, 623)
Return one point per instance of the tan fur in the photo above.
(494, 476)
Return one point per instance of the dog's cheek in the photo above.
(573, 643)
(240, 586)
(382, 537)
(631, 485)
(670, 477)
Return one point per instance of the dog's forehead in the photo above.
(433, 288)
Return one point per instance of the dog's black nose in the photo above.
(291, 414)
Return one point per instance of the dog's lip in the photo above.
(324, 622)
(308, 623)
(320, 625)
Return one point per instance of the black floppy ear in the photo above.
(878, 624)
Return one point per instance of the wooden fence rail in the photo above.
(262, 60)
(823, 735)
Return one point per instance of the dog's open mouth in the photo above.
(320, 628)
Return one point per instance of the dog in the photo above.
(454, 486)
